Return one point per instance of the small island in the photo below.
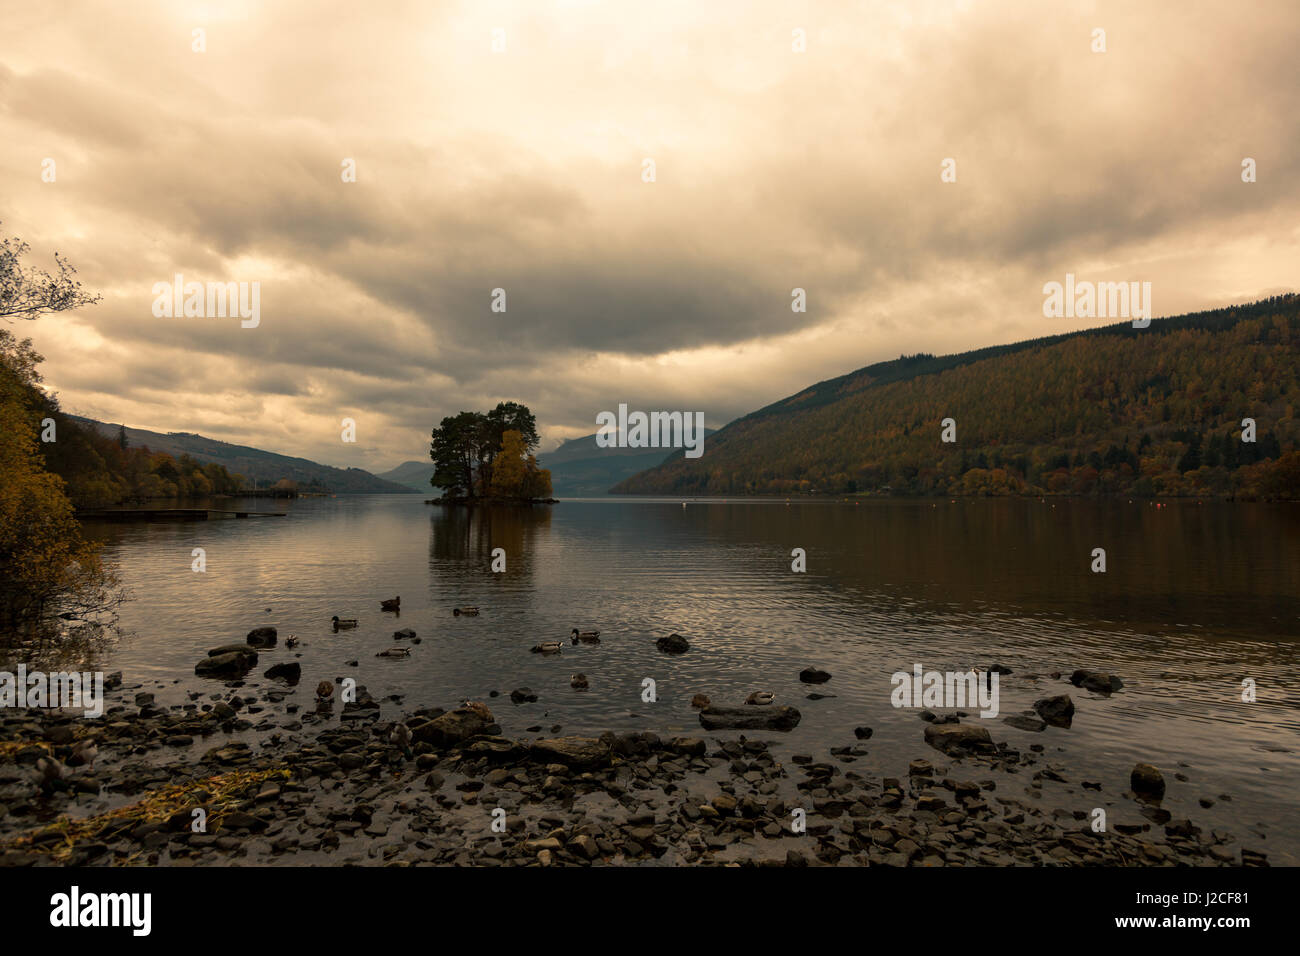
(487, 459)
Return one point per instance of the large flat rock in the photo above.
(583, 753)
(750, 718)
(959, 740)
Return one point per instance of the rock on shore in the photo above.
(749, 718)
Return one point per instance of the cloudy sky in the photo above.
(522, 169)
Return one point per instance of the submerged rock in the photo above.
(1098, 681)
(262, 637)
(1026, 721)
(959, 740)
(1057, 711)
(227, 664)
(1147, 782)
(749, 718)
(291, 672)
(812, 675)
(673, 644)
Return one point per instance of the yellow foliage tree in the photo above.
(515, 473)
(45, 563)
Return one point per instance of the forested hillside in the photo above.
(258, 468)
(1155, 411)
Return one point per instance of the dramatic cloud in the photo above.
(522, 170)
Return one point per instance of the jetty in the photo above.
(171, 514)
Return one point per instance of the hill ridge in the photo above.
(1064, 413)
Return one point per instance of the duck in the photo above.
(394, 605)
(343, 623)
(395, 652)
(467, 611)
(587, 637)
(578, 681)
(700, 702)
(49, 773)
(760, 697)
(400, 737)
(324, 690)
(291, 641)
(548, 647)
(83, 754)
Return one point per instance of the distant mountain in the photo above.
(1111, 410)
(413, 474)
(263, 467)
(581, 469)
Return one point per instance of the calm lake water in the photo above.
(1196, 598)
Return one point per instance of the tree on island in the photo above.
(517, 474)
(467, 449)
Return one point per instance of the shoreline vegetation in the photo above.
(952, 496)
(285, 778)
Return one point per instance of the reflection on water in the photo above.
(1195, 599)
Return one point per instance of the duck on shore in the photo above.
(400, 737)
(49, 773)
(548, 647)
(467, 611)
(587, 637)
(343, 623)
(83, 754)
(394, 605)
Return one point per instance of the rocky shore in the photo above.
(276, 781)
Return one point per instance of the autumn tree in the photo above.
(465, 448)
(46, 566)
(27, 292)
(517, 474)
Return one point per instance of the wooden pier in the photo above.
(171, 514)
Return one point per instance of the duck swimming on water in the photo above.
(343, 623)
